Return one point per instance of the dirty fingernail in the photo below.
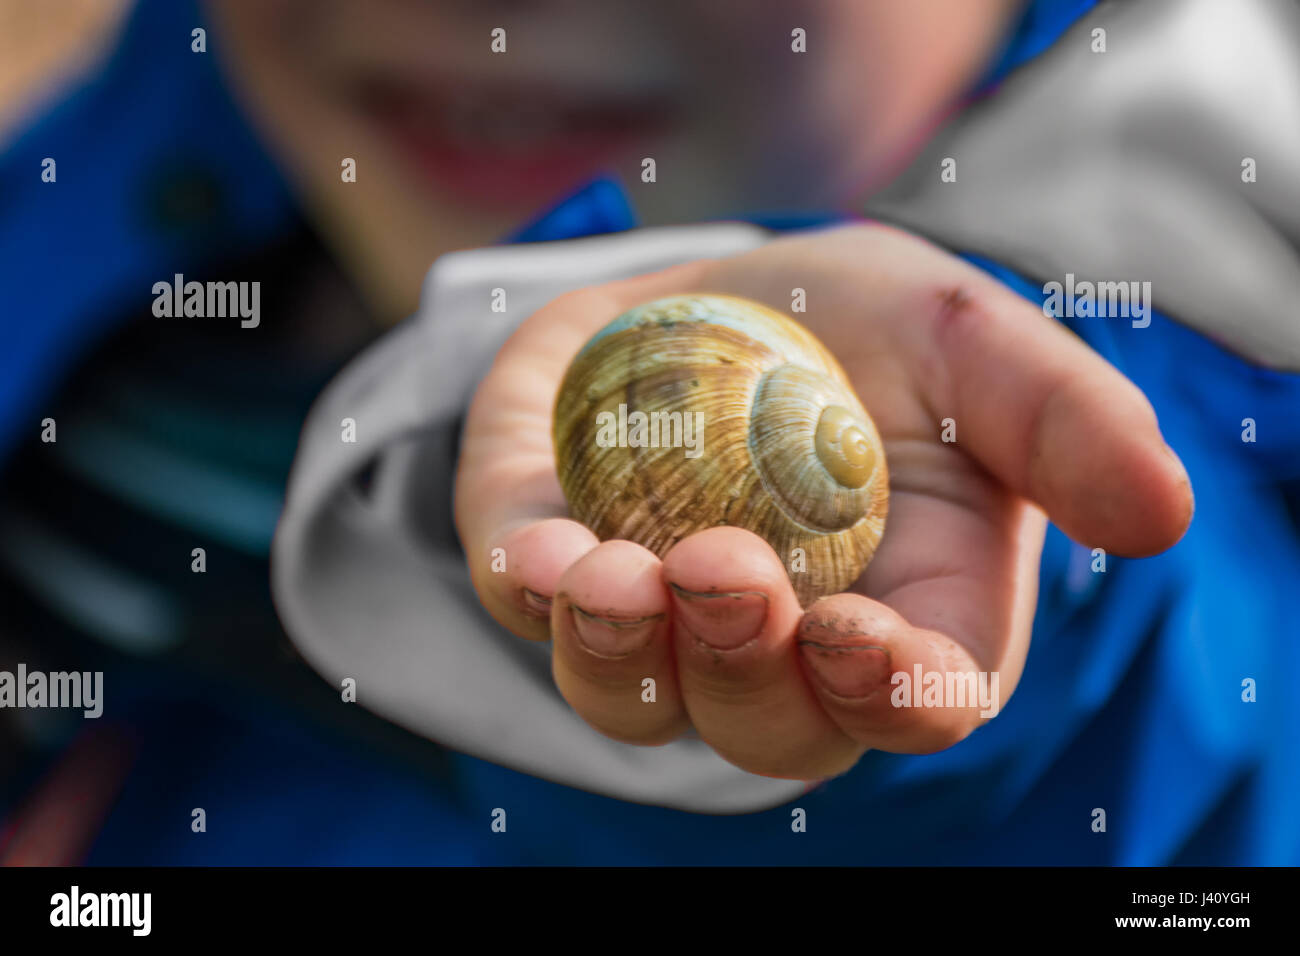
(847, 670)
(536, 605)
(611, 636)
(721, 619)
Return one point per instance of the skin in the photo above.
(1046, 428)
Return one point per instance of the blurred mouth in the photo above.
(509, 147)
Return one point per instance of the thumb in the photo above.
(1057, 423)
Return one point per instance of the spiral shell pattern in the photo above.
(745, 419)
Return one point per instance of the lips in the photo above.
(510, 147)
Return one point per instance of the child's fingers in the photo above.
(1055, 422)
(613, 655)
(858, 653)
(523, 573)
(734, 621)
(505, 480)
(944, 646)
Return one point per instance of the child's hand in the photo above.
(1041, 422)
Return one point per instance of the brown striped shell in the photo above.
(702, 410)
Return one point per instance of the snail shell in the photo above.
(746, 420)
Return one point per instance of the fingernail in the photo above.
(848, 670)
(721, 619)
(536, 605)
(611, 636)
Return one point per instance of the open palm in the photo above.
(936, 350)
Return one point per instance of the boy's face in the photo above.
(456, 145)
